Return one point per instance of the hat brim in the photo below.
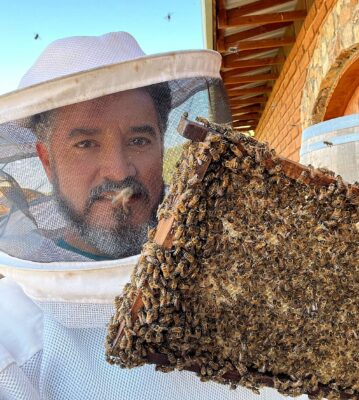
(97, 82)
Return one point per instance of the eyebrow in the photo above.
(90, 132)
(82, 131)
(144, 129)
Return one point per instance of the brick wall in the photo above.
(300, 83)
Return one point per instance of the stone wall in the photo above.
(328, 40)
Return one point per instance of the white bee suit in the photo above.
(52, 339)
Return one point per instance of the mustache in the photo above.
(99, 192)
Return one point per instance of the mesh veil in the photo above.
(83, 181)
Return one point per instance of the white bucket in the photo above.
(333, 144)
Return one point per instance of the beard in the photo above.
(123, 239)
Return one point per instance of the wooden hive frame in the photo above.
(197, 132)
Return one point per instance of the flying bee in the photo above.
(168, 17)
(327, 143)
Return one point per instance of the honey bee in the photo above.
(122, 198)
(215, 153)
(194, 201)
(191, 217)
(146, 302)
(188, 256)
(203, 157)
(176, 332)
(247, 164)
(232, 164)
(236, 150)
(160, 255)
(203, 121)
(151, 315)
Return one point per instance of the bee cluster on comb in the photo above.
(251, 277)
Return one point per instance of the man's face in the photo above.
(99, 147)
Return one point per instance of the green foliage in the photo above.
(172, 155)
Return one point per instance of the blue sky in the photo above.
(144, 19)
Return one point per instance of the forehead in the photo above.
(128, 107)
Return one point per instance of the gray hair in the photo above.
(41, 123)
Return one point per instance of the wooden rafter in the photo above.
(249, 109)
(240, 92)
(258, 62)
(239, 127)
(246, 117)
(250, 100)
(231, 40)
(251, 78)
(238, 71)
(265, 43)
(256, 6)
(239, 55)
(261, 19)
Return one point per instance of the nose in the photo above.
(116, 164)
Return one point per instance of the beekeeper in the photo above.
(84, 144)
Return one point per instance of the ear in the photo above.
(43, 153)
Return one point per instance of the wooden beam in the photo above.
(220, 45)
(249, 109)
(262, 18)
(249, 100)
(239, 92)
(251, 78)
(239, 128)
(246, 117)
(231, 40)
(265, 43)
(257, 62)
(221, 13)
(239, 55)
(256, 6)
(238, 71)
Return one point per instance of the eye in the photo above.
(86, 144)
(139, 141)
